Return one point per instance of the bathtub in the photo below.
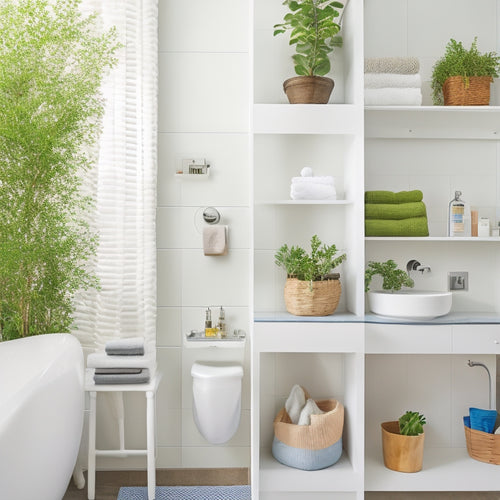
(41, 415)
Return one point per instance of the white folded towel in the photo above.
(392, 80)
(127, 346)
(215, 240)
(101, 360)
(295, 402)
(393, 97)
(309, 187)
(310, 408)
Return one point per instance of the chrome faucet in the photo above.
(414, 265)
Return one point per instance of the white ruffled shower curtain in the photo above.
(125, 184)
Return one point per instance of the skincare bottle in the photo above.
(209, 331)
(221, 324)
(459, 217)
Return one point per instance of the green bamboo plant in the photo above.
(52, 62)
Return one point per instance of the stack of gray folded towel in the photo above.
(123, 361)
(393, 81)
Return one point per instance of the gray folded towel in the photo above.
(132, 346)
(117, 371)
(125, 378)
(400, 65)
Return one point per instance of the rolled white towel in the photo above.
(392, 80)
(127, 346)
(393, 97)
(310, 408)
(295, 402)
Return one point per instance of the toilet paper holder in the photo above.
(211, 215)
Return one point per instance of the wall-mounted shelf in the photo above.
(304, 202)
(490, 239)
(197, 340)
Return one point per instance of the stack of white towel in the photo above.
(123, 361)
(393, 81)
(310, 187)
(299, 409)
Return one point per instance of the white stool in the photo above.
(150, 390)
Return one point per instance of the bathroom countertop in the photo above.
(453, 318)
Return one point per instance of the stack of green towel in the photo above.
(395, 214)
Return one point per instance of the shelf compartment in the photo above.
(444, 469)
(304, 202)
(490, 239)
(341, 119)
(276, 477)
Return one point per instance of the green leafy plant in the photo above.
(393, 278)
(53, 60)
(309, 267)
(314, 31)
(458, 61)
(411, 423)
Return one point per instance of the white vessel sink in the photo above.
(411, 304)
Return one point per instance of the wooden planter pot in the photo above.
(321, 301)
(401, 453)
(471, 91)
(308, 89)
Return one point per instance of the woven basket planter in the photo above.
(401, 453)
(483, 446)
(308, 89)
(469, 91)
(310, 447)
(322, 300)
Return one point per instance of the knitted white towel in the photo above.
(102, 360)
(310, 408)
(392, 80)
(393, 97)
(401, 65)
(295, 402)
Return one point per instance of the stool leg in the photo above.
(150, 415)
(92, 432)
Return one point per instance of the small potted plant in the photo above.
(403, 442)
(393, 277)
(462, 77)
(315, 33)
(311, 289)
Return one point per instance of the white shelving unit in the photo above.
(330, 355)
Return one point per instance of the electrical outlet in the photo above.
(458, 281)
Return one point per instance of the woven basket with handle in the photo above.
(322, 300)
(468, 91)
(483, 446)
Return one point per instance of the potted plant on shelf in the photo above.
(393, 278)
(403, 442)
(311, 288)
(462, 77)
(315, 33)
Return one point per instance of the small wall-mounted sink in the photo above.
(411, 304)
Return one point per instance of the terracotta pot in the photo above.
(308, 89)
(321, 301)
(401, 453)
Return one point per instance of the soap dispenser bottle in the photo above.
(209, 331)
(459, 219)
(221, 324)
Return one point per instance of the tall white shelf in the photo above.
(286, 350)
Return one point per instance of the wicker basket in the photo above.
(483, 446)
(469, 91)
(321, 301)
(308, 89)
(310, 447)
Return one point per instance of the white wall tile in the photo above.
(169, 275)
(169, 428)
(169, 327)
(215, 456)
(203, 26)
(229, 178)
(197, 93)
(168, 457)
(169, 362)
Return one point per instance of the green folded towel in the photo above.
(391, 197)
(415, 226)
(395, 211)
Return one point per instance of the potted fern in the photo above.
(403, 442)
(311, 288)
(462, 77)
(314, 31)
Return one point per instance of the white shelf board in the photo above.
(491, 239)
(275, 476)
(304, 202)
(444, 469)
(342, 119)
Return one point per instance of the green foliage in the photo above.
(411, 423)
(458, 61)
(308, 267)
(52, 62)
(393, 278)
(314, 31)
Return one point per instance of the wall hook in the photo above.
(211, 215)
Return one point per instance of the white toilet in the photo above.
(216, 400)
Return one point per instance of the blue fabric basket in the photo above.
(310, 447)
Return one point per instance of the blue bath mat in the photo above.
(242, 492)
